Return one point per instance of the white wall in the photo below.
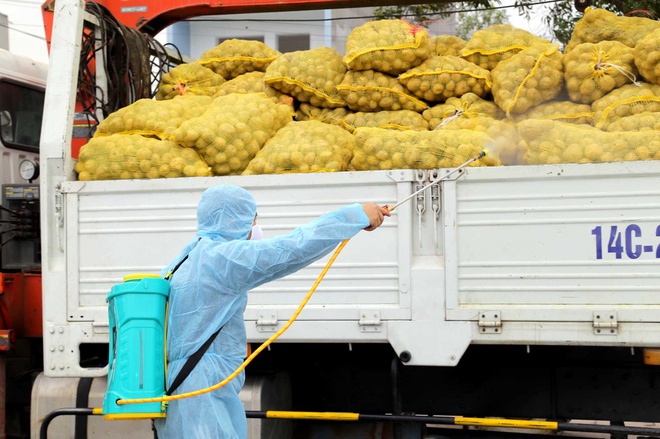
(26, 30)
(326, 28)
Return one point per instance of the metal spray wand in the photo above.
(439, 179)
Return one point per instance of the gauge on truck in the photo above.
(28, 170)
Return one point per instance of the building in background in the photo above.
(284, 31)
(4, 32)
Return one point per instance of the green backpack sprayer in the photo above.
(136, 312)
(137, 365)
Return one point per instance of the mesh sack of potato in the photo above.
(131, 156)
(647, 57)
(591, 70)
(498, 42)
(382, 149)
(388, 46)
(369, 90)
(528, 78)
(309, 146)
(442, 77)
(562, 111)
(551, 142)
(149, 117)
(232, 130)
(625, 101)
(333, 116)
(598, 25)
(309, 76)
(396, 120)
(253, 82)
(186, 79)
(446, 45)
(467, 106)
(511, 149)
(646, 121)
(234, 57)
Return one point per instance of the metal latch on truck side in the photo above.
(267, 321)
(605, 323)
(490, 322)
(370, 321)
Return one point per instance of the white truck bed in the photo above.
(511, 259)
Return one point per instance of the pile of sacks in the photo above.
(397, 99)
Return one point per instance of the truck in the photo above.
(512, 292)
(22, 90)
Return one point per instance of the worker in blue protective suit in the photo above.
(209, 291)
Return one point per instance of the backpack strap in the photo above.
(192, 361)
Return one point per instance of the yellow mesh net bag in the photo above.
(467, 106)
(396, 120)
(382, 149)
(253, 82)
(561, 111)
(489, 46)
(232, 130)
(309, 76)
(591, 70)
(645, 121)
(446, 45)
(647, 57)
(188, 79)
(388, 46)
(326, 115)
(625, 101)
(309, 146)
(600, 25)
(374, 91)
(552, 142)
(234, 57)
(528, 78)
(506, 142)
(442, 77)
(131, 156)
(153, 118)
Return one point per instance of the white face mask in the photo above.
(257, 233)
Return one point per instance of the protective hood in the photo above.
(225, 213)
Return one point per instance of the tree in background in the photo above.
(468, 23)
(424, 12)
(560, 17)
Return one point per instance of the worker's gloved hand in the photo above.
(376, 215)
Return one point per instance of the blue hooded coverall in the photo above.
(209, 291)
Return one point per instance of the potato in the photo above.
(309, 75)
(387, 46)
(370, 90)
(131, 156)
(187, 79)
(309, 146)
(234, 57)
(442, 77)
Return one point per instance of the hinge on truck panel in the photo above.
(59, 217)
(490, 322)
(370, 321)
(605, 323)
(435, 204)
(420, 199)
(267, 321)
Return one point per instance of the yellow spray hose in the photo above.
(293, 318)
(255, 353)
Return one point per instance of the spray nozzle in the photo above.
(482, 154)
